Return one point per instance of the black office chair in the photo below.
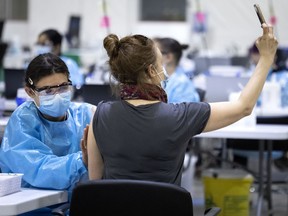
(201, 93)
(132, 197)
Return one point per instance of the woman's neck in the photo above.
(170, 69)
(55, 119)
(143, 93)
(139, 102)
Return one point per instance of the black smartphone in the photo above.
(259, 14)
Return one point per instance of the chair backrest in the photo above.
(201, 93)
(130, 197)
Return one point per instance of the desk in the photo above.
(264, 133)
(30, 199)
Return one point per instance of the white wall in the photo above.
(232, 24)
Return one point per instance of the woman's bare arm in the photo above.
(95, 162)
(226, 113)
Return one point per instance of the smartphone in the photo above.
(259, 14)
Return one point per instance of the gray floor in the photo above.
(280, 199)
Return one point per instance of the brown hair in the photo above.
(130, 57)
(42, 66)
(170, 45)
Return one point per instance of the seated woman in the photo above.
(42, 139)
(142, 136)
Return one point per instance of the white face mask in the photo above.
(165, 73)
(164, 82)
(55, 105)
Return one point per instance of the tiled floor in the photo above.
(280, 200)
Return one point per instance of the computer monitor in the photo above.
(218, 88)
(94, 93)
(13, 79)
(3, 48)
(203, 63)
(73, 34)
(1, 28)
(240, 61)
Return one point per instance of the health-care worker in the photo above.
(178, 86)
(43, 137)
(50, 40)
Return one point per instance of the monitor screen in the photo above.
(94, 93)
(73, 34)
(3, 48)
(218, 88)
(1, 28)
(13, 79)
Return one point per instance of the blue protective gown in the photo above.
(48, 153)
(179, 88)
(76, 75)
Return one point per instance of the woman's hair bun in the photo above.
(184, 46)
(111, 44)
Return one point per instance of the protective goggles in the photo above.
(52, 90)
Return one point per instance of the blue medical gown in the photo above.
(179, 88)
(76, 75)
(48, 153)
